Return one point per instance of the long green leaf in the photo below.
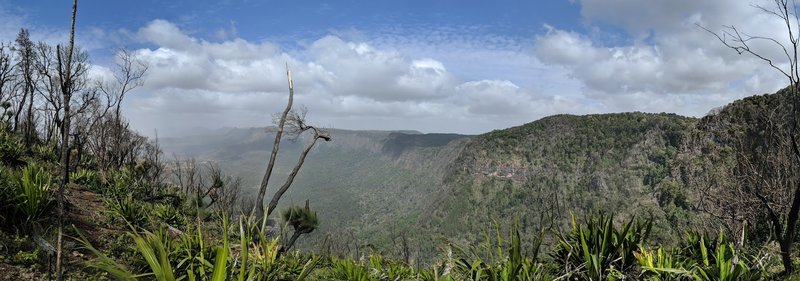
(307, 268)
(220, 264)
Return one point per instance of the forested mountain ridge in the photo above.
(542, 171)
(735, 160)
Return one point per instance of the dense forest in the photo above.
(634, 196)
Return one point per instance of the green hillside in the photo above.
(544, 170)
(382, 186)
(743, 146)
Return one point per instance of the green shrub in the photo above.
(27, 258)
(7, 192)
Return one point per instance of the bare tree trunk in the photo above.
(19, 110)
(791, 221)
(66, 91)
(258, 209)
(275, 198)
(289, 245)
(30, 127)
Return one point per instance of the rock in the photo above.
(173, 232)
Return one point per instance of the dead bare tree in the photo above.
(258, 209)
(207, 185)
(154, 172)
(223, 191)
(66, 78)
(297, 124)
(758, 182)
(26, 57)
(48, 87)
(128, 75)
(6, 75)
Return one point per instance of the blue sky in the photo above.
(433, 66)
(267, 19)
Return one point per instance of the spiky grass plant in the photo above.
(159, 250)
(504, 262)
(597, 250)
(661, 265)
(386, 269)
(128, 210)
(190, 257)
(348, 269)
(700, 258)
(717, 259)
(88, 178)
(33, 194)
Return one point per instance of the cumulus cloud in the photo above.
(345, 83)
(494, 97)
(668, 63)
(384, 75)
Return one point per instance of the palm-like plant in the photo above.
(302, 220)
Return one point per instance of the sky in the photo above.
(433, 66)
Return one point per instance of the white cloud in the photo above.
(669, 64)
(349, 83)
(492, 97)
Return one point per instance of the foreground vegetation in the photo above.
(213, 246)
